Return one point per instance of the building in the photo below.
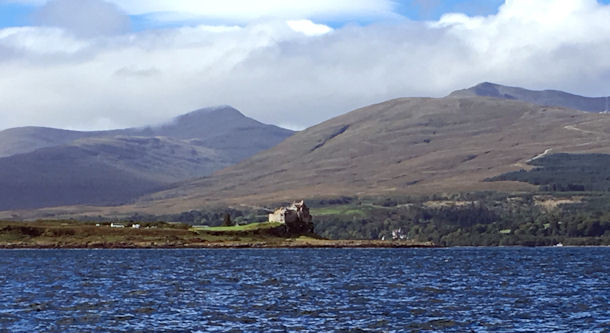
(399, 234)
(297, 212)
(296, 217)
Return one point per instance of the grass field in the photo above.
(340, 210)
(75, 234)
(80, 234)
(245, 227)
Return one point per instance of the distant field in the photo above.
(74, 234)
(245, 227)
(158, 234)
(339, 210)
(79, 234)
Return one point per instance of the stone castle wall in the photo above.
(296, 217)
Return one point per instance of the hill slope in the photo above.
(27, 139)
(542, 97)
(221, 127)
(409, 145)
(45, 167)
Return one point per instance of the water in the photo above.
(482, 289)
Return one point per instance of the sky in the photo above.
(101, 64)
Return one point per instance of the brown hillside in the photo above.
(409, 145)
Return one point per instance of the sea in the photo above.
(558, 289)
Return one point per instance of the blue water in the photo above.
(458, 289)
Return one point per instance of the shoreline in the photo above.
(341, 244)
(263, 245)
(229, 245)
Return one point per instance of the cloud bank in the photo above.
(86, 18)
(244, 11)
(289, 70)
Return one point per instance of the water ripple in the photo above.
(309, 290)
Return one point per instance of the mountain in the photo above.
(542, 97)
(26, 139)
(408, 146)
(220, 127)
(100, 171)
(45, 167)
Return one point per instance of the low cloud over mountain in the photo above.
(287, 74)
(42, 167)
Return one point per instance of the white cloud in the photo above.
(244, 11)
(38, 41)
(247, 10)
(278, 75)
(309, 28)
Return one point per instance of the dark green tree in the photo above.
(227, 220)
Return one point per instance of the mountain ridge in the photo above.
(401, 146)
(113, 167)
(547, 97)
(29, 138)
(409, 145)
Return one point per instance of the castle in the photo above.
(296, 217)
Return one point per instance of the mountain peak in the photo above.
(210, 122)
(402, 146)
(490, 89)
(115, 166)
(224, 111)
(540, 97)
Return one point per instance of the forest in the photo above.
(565, 173)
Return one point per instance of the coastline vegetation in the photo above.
(78, 234)
(475, 219)
(461, 219)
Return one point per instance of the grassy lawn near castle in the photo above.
(244, 227)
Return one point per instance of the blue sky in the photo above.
(12, 14)
(433, 9)
(99, 64)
